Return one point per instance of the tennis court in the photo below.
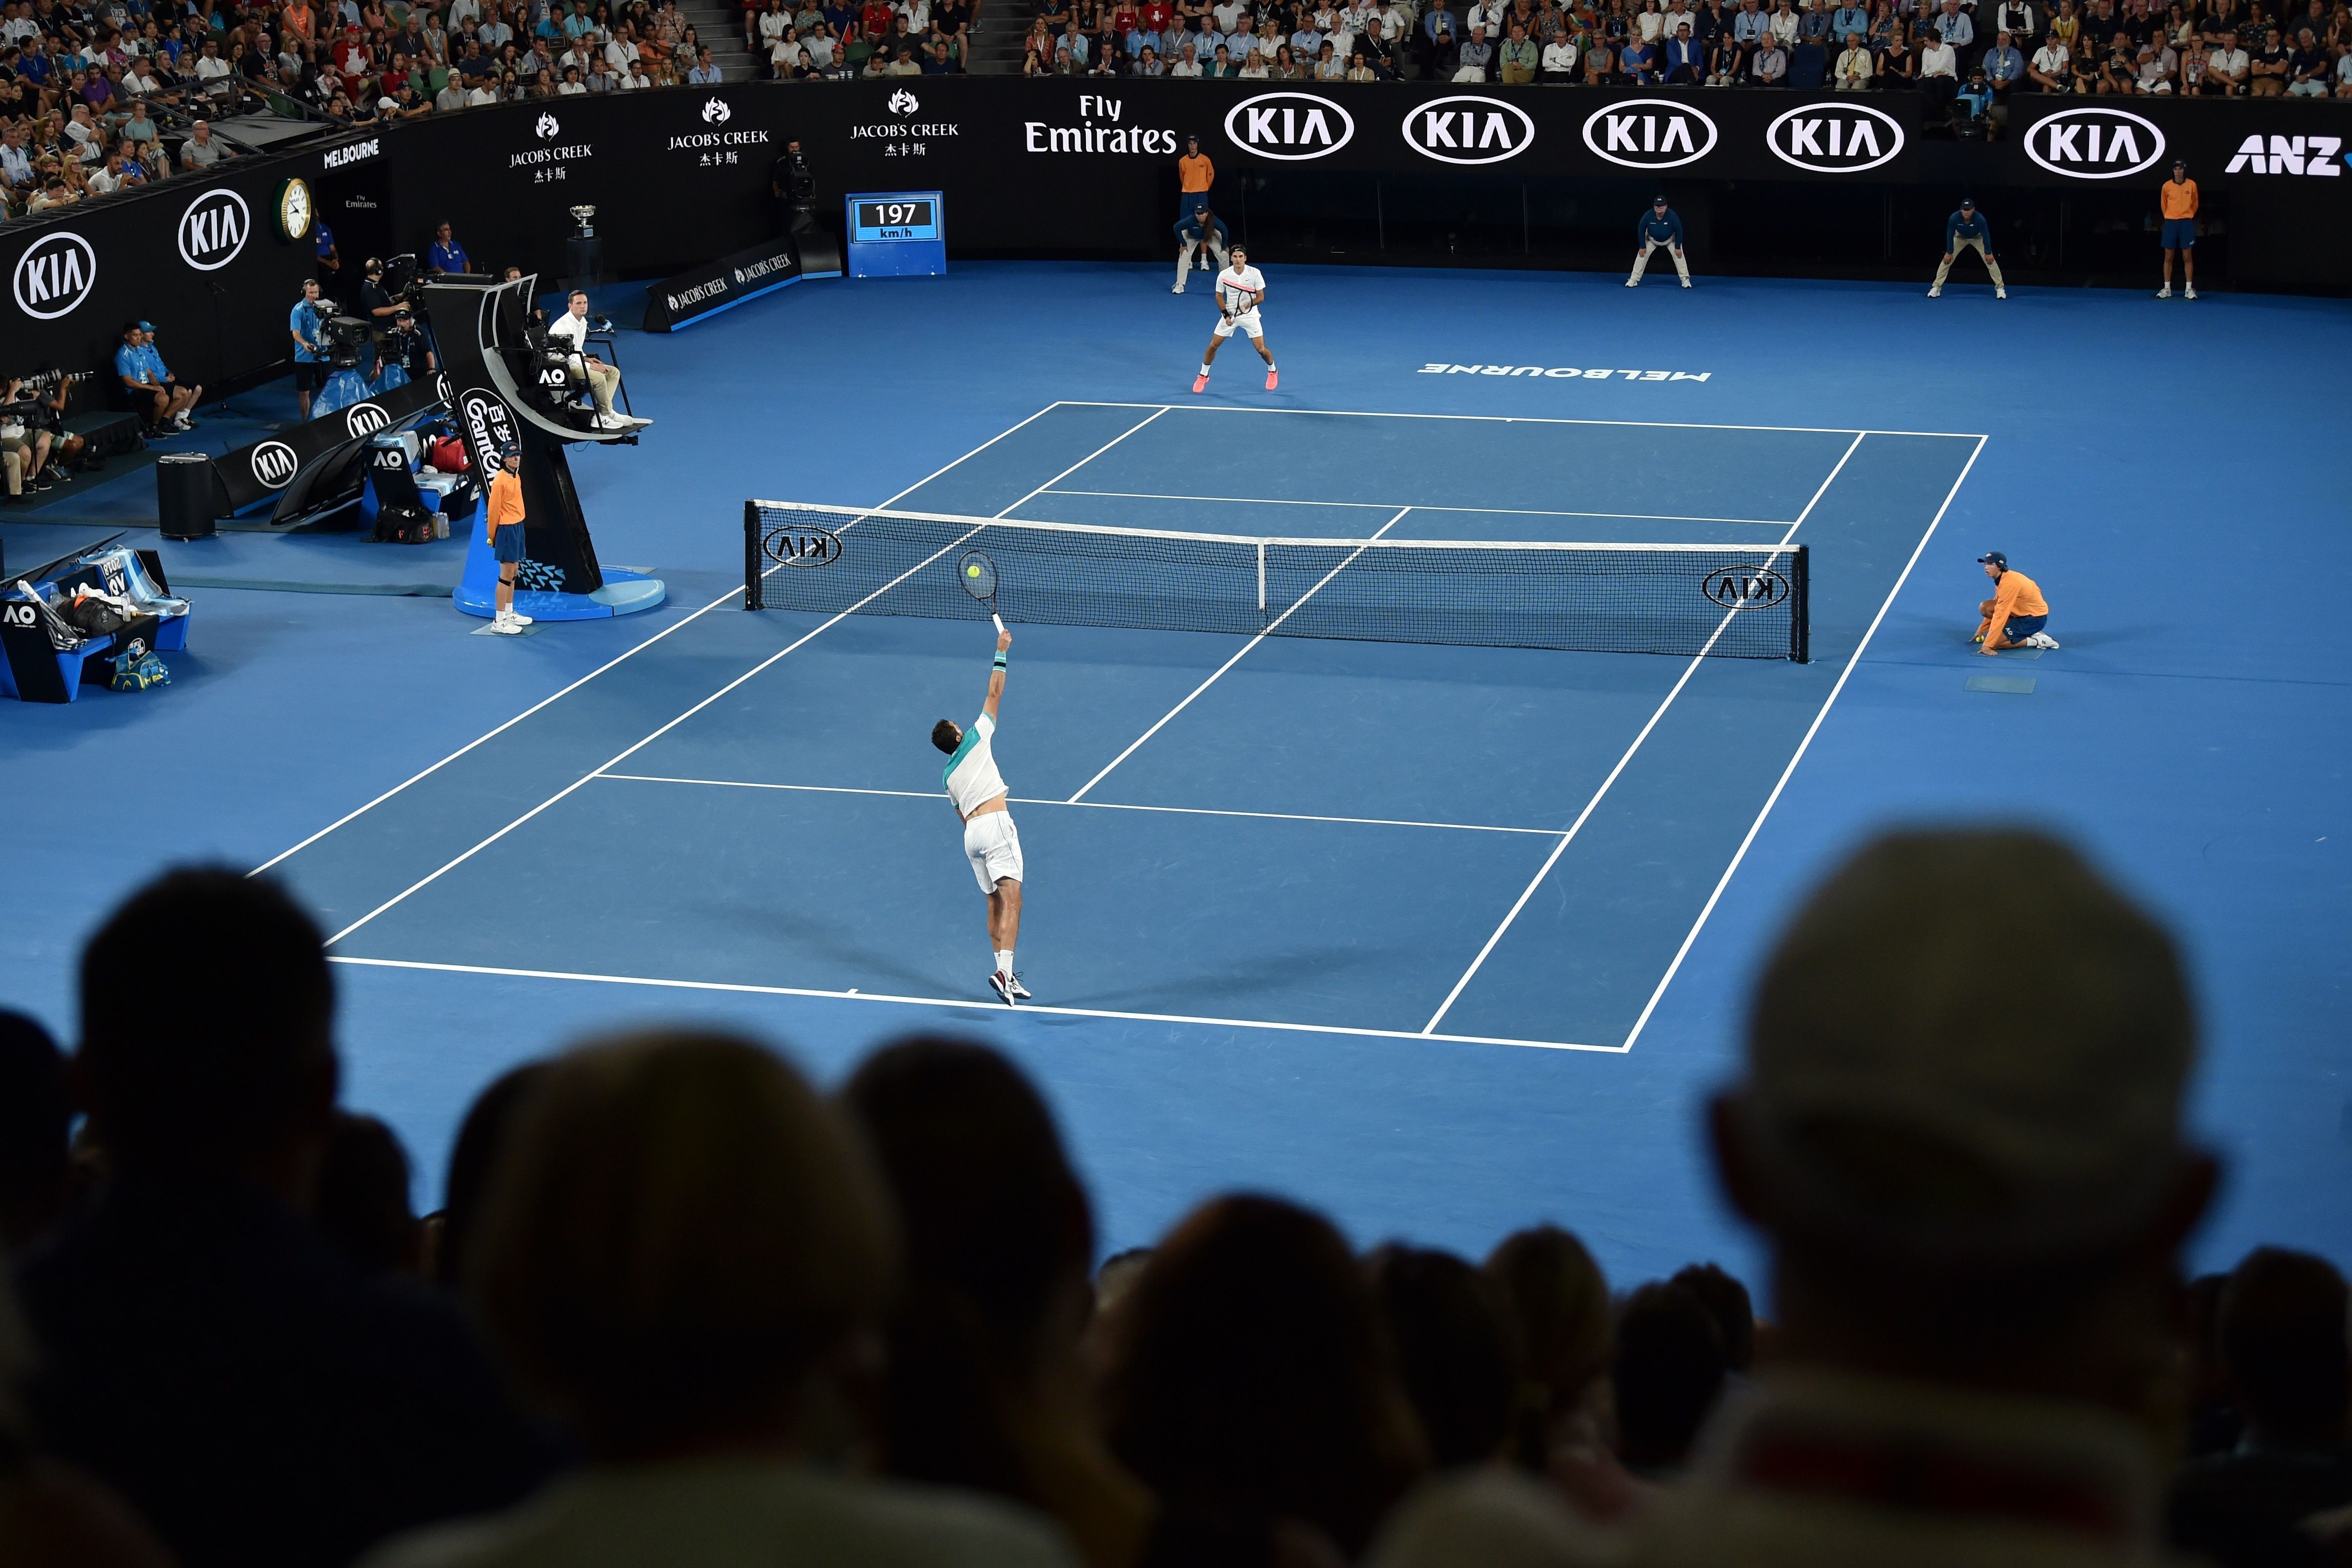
(1463, 843)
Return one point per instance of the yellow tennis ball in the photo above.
(972, 571)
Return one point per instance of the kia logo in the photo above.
(1467, 128)
(2094, 144)
(546, 129)
(805, 545)
(1289, 126)
(365, 419)
(1835, 138)
(273, 464)
(441, 387)
(55, 273)
(213, 230)
(1745, 587)
(1649, 134)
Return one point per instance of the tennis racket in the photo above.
(1236, 300)
(977, 573)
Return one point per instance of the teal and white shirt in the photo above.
(972, 777)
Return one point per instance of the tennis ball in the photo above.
(972, 571)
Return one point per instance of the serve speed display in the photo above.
(885, 219)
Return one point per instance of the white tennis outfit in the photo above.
(1234, 281)
(991, 843)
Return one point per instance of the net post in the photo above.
(752, 580)
(1800, 631)
(1261, 579)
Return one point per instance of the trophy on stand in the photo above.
(580, 249)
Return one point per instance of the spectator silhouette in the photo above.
(1250, 1378)
(684, 1253)
(1973, 1225)
(985, 1388)
(1727, 1302)
(362, 1203)
(36, 1126)
(1457, 1351)
(1666, 1377)
(481, 1138)
(2284, 1358)
(204, 1351)
(1560, 1303)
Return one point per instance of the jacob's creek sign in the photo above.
(1102, 126)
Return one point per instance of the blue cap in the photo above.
(146, 326)
(1993, 558)
(1968, 201)
(511, 450)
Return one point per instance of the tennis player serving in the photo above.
(1241, 288)
(990, 842)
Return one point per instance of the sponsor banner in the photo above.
(2289, 151)
(1561, 371)
(254, 473)
(686, 298)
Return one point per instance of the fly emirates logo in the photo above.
(1101, 128)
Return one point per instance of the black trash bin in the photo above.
(186, 492)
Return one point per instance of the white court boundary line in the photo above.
(1593, 804)
(1526, 419)
(745, 989)
(1799, 755)
(1237, 658)
(933, 795)
(1385, 505)
(780, 654)
(350, 816)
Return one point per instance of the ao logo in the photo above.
(273, 464)
(1745, 587)
(1650, 133)
(806, 545)
(365, 419)
(213, 230)
(1289, 126)
(2095, 144)
(1469, 128)
(553, 375)
(716, 112)
(903, 102)
(55, 274)
(20, 614)
(546, 129)
(1835, 138)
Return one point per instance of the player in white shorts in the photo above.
(990, 842)
(1241, 288)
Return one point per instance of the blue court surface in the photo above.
(1443, 939)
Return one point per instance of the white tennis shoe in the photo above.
(1019, 991)
(1002, 984)
(2041, 640)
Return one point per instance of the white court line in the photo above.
(1385, 505)
(435, 876)
(1527, 419)
(1799, 755)
(1098, 804)
(973, 1005)
(632, 653)
(1591, 805)
(1233, 661)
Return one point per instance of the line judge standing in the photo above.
(1659, 226)
(2178, 195)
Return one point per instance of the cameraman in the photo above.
(794, 185)
(409, 346)
(375, 302)
(308, 324)
(23, 445)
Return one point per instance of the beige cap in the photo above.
(1967, 1044)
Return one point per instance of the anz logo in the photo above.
(55, 275)
(1745, 587)
(1290, 126)
(2311, 156)
(1650, 133)
(1469, 128)
(802, 545)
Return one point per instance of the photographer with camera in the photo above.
(23, 445)
(794, 185)
(409, 347)
(308, 323)
(376, 302)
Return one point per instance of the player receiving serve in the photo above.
(1241, 288)
(990, 842)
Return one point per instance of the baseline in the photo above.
(1417, 506)
(968, 1007)
(1520, 419)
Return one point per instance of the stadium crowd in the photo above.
(681, 1308)
(1954, 49)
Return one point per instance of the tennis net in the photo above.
(1735, 601)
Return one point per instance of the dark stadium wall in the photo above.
(1796, 182)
